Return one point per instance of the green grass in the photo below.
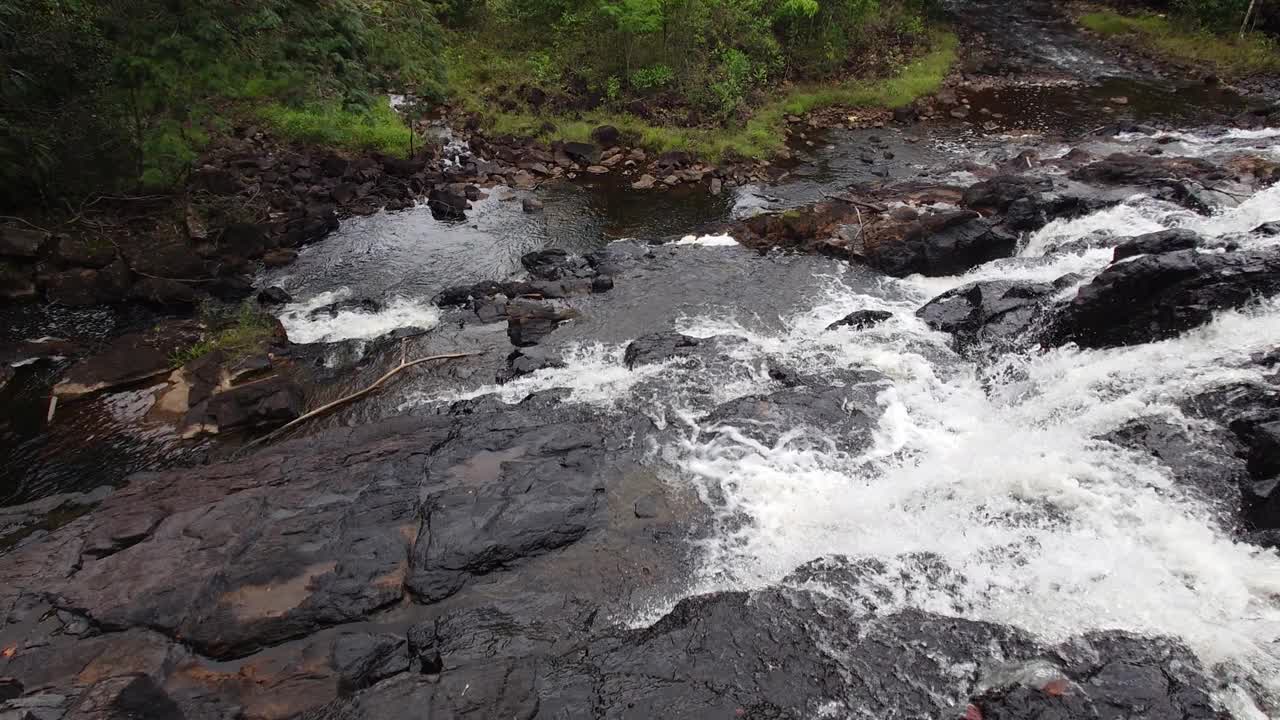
(1229, 55)
(243, 334)
(762, 135)
(378, 127)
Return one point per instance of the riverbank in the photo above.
(1252, 59)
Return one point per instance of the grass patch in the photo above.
(1229, 55)
(377, 127)
(762, 135)
(238, 336)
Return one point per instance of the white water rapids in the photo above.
(998, 472)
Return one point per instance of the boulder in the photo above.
(19, 242)
(1157, 242)
(606, 136)
(1204, 462)
(947, 243)
(861, 319)
(1003, 313)
(673, 159)
(848, 413)
(1146, 170)
(447, 204)
(274, 295)
(556, 264)
(261, 404)
(531, 204)
(529, 322)
(582, 153)
(658, 347)
(1154, 297)
(527, 360)
(1019, 199)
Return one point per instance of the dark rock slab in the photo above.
(1002, 313)
(1146, 170)
(1018, 198)
(1154, 297)
(556, 264)
(658, 347)
(861, 319)
(447, 203)
(582, 153)
(936, 244)
(356, 305)
(128, 359)
(529, 322)
(1157, 242)
(274, 295)
(1204, 461)
(844, 414)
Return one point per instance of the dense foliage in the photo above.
(101, 94)
(714, 56)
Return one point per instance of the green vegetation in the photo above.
(239, 334)
(378, 127)
(1185, 37)
(102, 95)
(762, 134)
(716, 77)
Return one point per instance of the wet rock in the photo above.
(861, 319)
(274, 295)
(491, 310)
(597, 170)
(1157, 242)
(646, 182)
(280, 257)
(531, 205)
(1154, 297)
(714, 186)
(935, 244)
(673, 159)
(447, 203)
(1017, 196)
(243, 240)
(658, 347)
(262, 404)
(21, 242)
(602, 283)
(351, 305)
(128, 359)
(10, 688)
(529, 322)
(556, 264)
(1270, 229)
(6, 375)
(847, 413)
(527, 360)
(362, 659)
(1203, 461)
(994, 312)
(1146, 170)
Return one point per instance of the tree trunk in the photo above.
(1244, 25)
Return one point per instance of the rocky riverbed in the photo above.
(930, 420)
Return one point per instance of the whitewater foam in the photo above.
(400, 312)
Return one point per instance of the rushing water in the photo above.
(995, 468)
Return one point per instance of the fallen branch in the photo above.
(329, 407)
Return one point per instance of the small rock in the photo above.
(531, 205)
(274, 295)
(861, 319)
(597, 169)
(715, 186)
(1120, 100)
(280, 257)
(646, 182)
